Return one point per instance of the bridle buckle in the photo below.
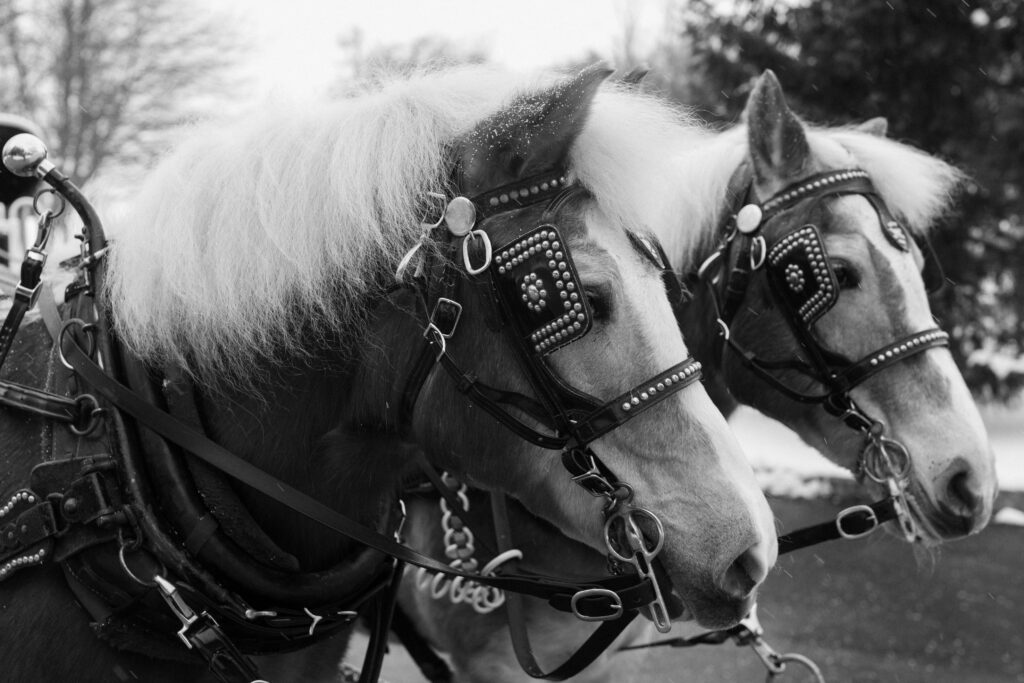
(585, 600)
(853, 513)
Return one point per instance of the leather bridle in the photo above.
(804, 287)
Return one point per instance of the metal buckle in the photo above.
(756, 261)
(445, 316)
(872, 518)
(473, 234)
(595, 595)
(180, 608)
(593, 482)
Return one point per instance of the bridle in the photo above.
(804, 287)
(536, 297)
(210, 616)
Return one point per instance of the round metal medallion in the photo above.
(459, 216)
(749, 218)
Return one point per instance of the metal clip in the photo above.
(178, 606)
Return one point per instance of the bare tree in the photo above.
(106, 79)
(361, 63)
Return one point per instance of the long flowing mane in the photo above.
(292, 218)
(917, 186)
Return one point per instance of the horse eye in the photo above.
(846, 275)
(599, 304)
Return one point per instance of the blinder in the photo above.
(540, 290)
(800, 275)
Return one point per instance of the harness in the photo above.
(804, 286)
(147, 565)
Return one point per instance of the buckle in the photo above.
(592, 481)
(847, 515)
(445, 317)
(587, 604)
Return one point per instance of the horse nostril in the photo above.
(963, 495)
(745, 574)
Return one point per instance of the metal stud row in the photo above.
(15, 499)
(558, 330)
(522, 250)
(523, 192)
(898, 351)
(34, 558)
(819, 268)
(652, 391)
(800, 191)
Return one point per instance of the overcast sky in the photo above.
(297, 40)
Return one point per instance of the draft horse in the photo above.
(308, 310)
(805, 254)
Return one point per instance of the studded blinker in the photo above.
(800, 273)
(538, 283)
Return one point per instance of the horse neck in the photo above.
(318, 423)
(699, 324)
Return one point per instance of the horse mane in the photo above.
(915, 185)
(254, 233)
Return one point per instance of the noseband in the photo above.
(804, 286)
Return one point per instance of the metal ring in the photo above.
(35, 202)
(94, 415)
(633, 531)
(762, 252)
(795, 658)
(88, 328)
(473, 234)
(878, 455)
(132, 575)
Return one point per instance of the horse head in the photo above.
(679, 457)
(837, 281)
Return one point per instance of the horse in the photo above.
(758, 351)
(455, 267)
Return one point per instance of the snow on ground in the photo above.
(786, 466)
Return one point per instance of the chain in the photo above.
(459, 548)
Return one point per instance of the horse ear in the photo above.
(778, 141)
(636, 74)
(877, 126)
(532, 135)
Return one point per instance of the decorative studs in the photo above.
(795, 277)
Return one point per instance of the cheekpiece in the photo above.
(540, 289)
(799, 272)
